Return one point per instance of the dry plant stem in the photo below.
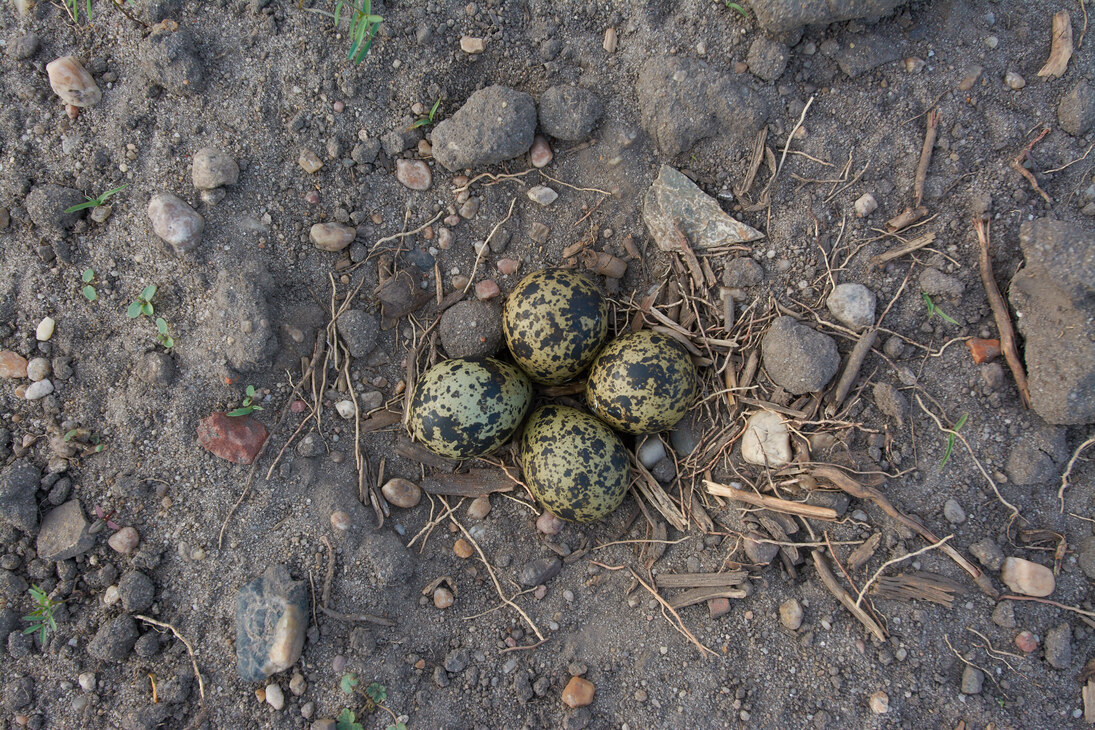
(906, 219)
(862, 491)
(493, 577)
(787, 145)
(1068, 469)
(827, 577)
(925, 157)
(486, 246)
(894, 561)
(189, 649)
(985, 474)
(1017, 163)
(897, 251)
(773, 503)
(1000, 312)
(404, 234)
(1048, 602)
(679, 626)
(494, 179)
(648, 486)
(356, 618)
(851, 368)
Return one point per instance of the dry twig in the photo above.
(189, 649)
(1000, 312)
(1068, 469)
(925, 157)
(894, 561)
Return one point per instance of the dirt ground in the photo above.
(846, 116)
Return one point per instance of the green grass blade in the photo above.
(83, 206)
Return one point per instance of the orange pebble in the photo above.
(983, 350)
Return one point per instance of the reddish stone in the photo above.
(487, 289)
(983, 350)
(12, 365)
(718, 606)
(238, 439)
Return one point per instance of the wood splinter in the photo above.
(1000, 312)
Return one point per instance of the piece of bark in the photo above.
(699, 595)
(772, 503)
(701, 580)
(864, 551)
(473, 483)
(410, 450)
(830, 581)
(1060, 49)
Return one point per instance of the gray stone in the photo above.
(331, 236)
(1004, 615)
(471, 329)
(1038, 456)
(767, 58)
(169, 61)
(759, 553)
(156, 368)
(136, 591)
(893, 347)
(271, 618)
(1087, 557)
(114, 640)
(776, 16)
(685, 437)
(18, 484)
(972, 680)
(891, 402)
(539, 571)
(664, 471)
(12, 587)
(456, 660)
(569, 112)
(64, 533)
(24, 46)
(399, 140)
(359, 330)
(9, 621)
(213, 169)
(837, 501)
(46, 205)
(1054, 299)
(988, 553)
(953, 512)
(174, 221)
(867, 52)
(1058, 645)
(853, 305)
(682, 100)
(1076, 112)
(148, 645)
(674, 203)
(18, 692)
(242, 318)
(935, 283)
(742, 273)
(495, 124)
(797, 357)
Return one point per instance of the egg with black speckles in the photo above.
(642, 382)
(574, 464)
(468, 407)
(555, 321)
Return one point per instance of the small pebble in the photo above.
(865, 205)
(543, 195)
(297, 685)
(479, 508)
(345, 408)
(953, 512)
(463, 549)
(44, 330)
(125, 540)
(1026, 641)
(340, 520)
(331, 236)
(87, 681)
(1014, 81)
(275, 697)
(1027, 578)
(508, 267)
(578, 692)
(540, 154)
(12, 365)
(38, 390)
(487, 289)
(471, 45)
(790, 614)
(413, 174)
(549, 524)
(402, 493)
(442, 598)
(71, 81)
(309, 161)
(880, 703)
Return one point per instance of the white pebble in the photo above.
(44, 330)
(345, 408)
(38, 369)
(36, 391)
(275, 697)
(87, 682)
(865, 205)
(766, 440)
(110, 596)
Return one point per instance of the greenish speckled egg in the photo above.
(555, 321)
(468, 407)
(643, 382)
(574, 464)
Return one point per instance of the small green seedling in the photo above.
(950, 440)
(41, 618)
(92, 443)
(101, 200)
(246, 408)
(934, 310)
(162, 336)
(88, 289)
(739, 8)
(429, 119)
(374, 695)
(363, 27)
(143, 304)
(347, 721)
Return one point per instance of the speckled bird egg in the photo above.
(468, 407)
(574, 464)
(555, 321)
(642, 382)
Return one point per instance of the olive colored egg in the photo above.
(555, 321)
(642, 382)
(574, 464)
(467, 407)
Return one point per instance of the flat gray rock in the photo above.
(683, 100)
(776, 16)
(495, 124)
(18, 483)
(271, 617)
(867, 52)
(46, 205)
(64, 533)
(1038, 456)
(569, 112)
(114, 640)
(674, 201)
(1054, 299)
